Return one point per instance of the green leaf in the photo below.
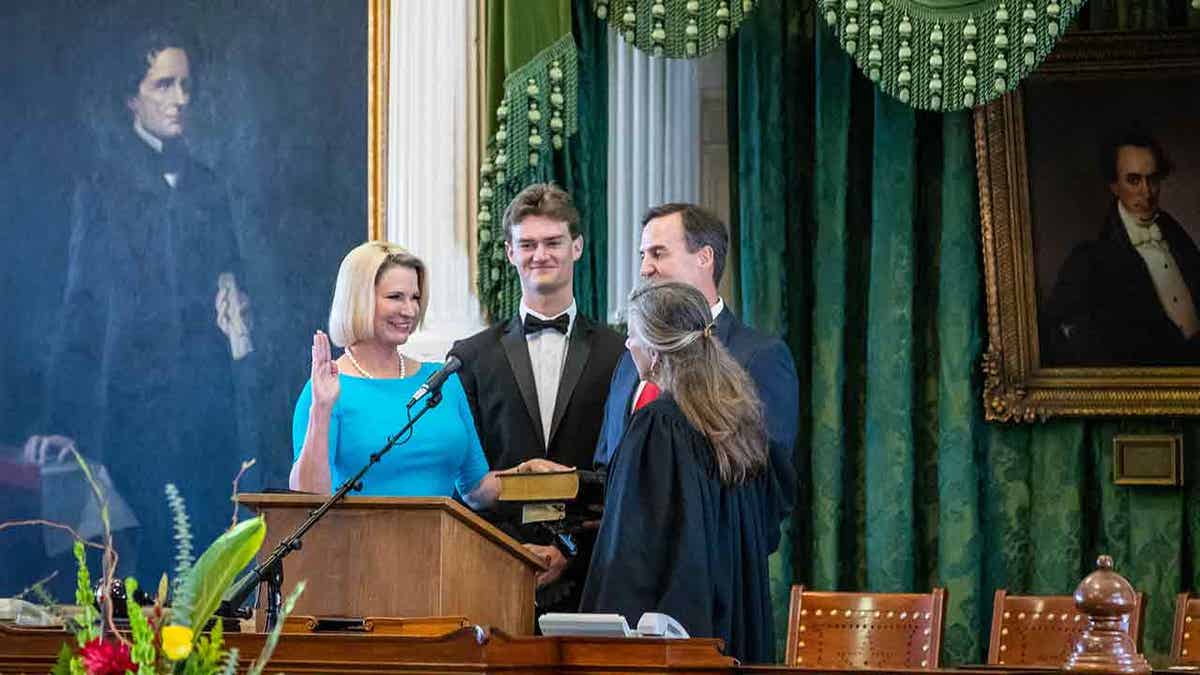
(273, 639)
(210, 576)
(87, 622)
(183, 534)
(231, 662)
(62, 665)
(143, 652)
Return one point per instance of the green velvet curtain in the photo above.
(871, 269)
(521, 33)
(517, 31)
(771, 197)
(587, 154)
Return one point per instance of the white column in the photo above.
(653, 152)
(428, 186)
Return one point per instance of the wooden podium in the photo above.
(401, 557)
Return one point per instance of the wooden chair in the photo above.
(1041, 630)
(1185, 638)
(865, 630)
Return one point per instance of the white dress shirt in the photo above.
(1172, 290)
(547, 354)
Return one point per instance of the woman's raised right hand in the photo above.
(326, 386)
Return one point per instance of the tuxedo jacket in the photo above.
(769, 363)
(1104, 309)
(497, 375)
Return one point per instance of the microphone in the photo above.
(436, 380)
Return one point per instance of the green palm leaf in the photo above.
(210, 576)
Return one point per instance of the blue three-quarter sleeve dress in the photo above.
(442, 456)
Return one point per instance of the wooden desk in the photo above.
(785, 669)
(473, 650)
(975, 669)
(469, 650)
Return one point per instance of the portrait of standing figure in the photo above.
(180, 180)
(154, 324)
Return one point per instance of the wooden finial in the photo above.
(1105, 647)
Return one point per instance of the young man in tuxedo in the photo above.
(535, 381)
(684, 242)
(1130, 297)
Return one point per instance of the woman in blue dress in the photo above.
(351, 405)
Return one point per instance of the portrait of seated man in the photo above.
(1129, 296)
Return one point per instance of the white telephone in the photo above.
(652, 624)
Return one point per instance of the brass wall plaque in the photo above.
(1149, 459)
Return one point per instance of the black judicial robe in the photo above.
(675, 539)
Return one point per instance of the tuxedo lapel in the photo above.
(517, 352)
(578, 347)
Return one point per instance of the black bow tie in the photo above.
(559, 323)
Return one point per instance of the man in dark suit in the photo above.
(684, 242)
(536, 381)
(1129, 297)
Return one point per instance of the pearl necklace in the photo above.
(369, 376)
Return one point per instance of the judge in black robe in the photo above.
(676, 539)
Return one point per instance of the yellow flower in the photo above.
(177, 642)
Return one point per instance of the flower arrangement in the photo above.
(168, 639)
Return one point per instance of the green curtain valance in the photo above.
(677, 29)
(948, 54)
(538, 111)
(937, 55)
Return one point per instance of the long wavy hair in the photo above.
(716, 395)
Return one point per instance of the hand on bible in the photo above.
(325, 383)
(538, 465)
(553, 557)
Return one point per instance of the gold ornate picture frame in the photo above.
(1041, 194)
(379, 26)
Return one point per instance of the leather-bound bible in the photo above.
(552, 486)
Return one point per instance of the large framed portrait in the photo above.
(179, 180)
(1088, 177)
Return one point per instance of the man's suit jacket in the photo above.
(1105, 310)
(498, 378)
(769, 363)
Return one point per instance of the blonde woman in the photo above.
(686, 514)
(352, 404)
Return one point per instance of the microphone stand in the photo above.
(270, 569)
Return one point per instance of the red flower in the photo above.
(106, 658)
